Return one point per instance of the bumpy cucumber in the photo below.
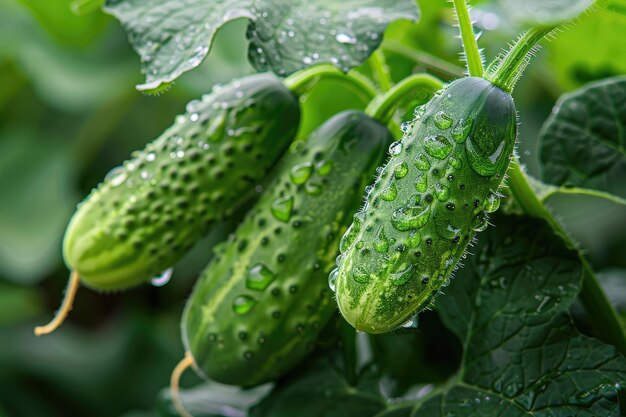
(151, 210)
(259, 306)
(427, 204)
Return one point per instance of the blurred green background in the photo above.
(69, 113)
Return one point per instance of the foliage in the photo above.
(523, 328)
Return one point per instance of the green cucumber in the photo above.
(259, 306)
(426, 206)
(151, 210)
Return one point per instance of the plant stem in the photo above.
(510, 67)
(300, 82)
(602, 315)
(470, 46)
(348, 340)
(381, 108)
(432, 62)
(380, 70)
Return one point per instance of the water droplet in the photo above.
(300, 173)
(403, 276)
(437, 146)
(395, 148)
(445, 228)
(163, 278)
(443, 121)
(243, 303)
(324, 167)
(492, 203)
(414, 239)
(405, 126)
(381, 244)
(345, 38)
(422, 163)
(455, 162)
(150, 157)
(312, 188)
(410, 218)
(442, 192)
(480, 223)
(412, 323)
(361, 276)
(259, 277)
(462, 130)
(116, 176)
(332, 279)
(421, 184)
(488, 154)
(401, 170)
(281, 208)
(390, 193)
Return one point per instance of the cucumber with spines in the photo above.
(427, 204)
(151, 210)
(259, 306)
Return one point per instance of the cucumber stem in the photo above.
(300, 82)
(178, 371)
(380, 70)
(66, 306)
(470, 45)
(431, 62)
(382, 107)
(602, 315)
(505, 70)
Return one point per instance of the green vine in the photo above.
(470, 46)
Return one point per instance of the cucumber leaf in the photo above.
(522, 354)
(545, 12)
(211, 399)
(322, 390)
(583, 142)
(173, 37)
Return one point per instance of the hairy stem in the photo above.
(602, 315)
(382, 107)
(470, 46)
(507, 69)
(302, 81)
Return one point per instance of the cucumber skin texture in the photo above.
(290, 312)
(438, 205)
(147, 213)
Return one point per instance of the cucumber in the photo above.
(151, 210)
(426, 206)
(259, 306)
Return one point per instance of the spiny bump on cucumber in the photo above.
(148, 212)
(259, 306)
(429, 200)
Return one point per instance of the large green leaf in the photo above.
(293, 35)
(583, 143)
(545, 12)
(522, 354)
(322, 390)
(211, 399)
(173, 36)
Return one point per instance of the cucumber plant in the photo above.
(257, 311)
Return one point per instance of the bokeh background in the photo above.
(69, 113)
